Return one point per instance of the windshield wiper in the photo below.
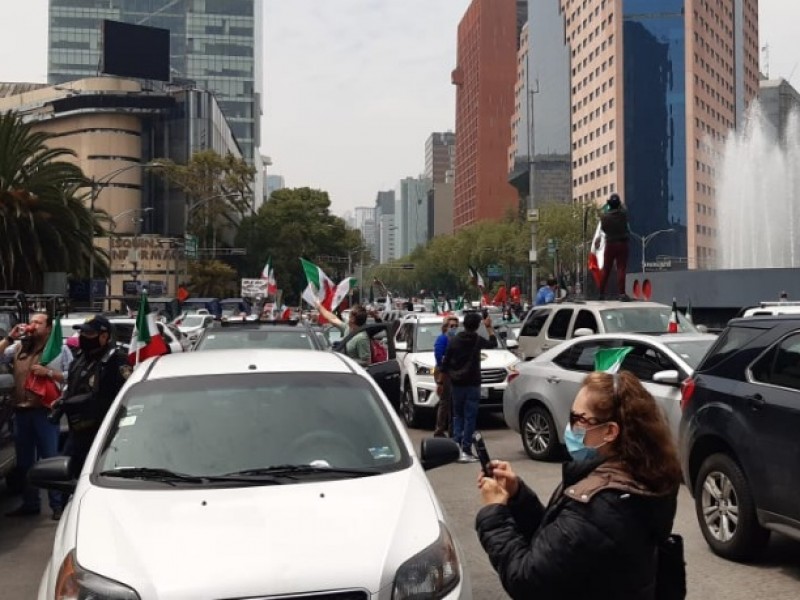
(151, 473)
(291, 471)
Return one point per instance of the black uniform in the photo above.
(92, 384)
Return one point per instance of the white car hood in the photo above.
(257, 541)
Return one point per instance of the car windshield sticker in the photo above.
(380, 452)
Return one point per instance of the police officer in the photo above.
(95, 377)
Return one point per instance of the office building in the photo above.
(364, 221)
(440, 157)
(114, 128)
(411, 214)
(215, 45)
(655, 89)
(384, 242)
(274, 183)
(484, 77)
(779, 101)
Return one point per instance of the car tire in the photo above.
(408, 411)
(538, 433)
(722, 492)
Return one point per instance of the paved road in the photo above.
(25, 544)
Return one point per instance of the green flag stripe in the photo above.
(54, 343)
(610, 359)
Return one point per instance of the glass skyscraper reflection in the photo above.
(214, 44)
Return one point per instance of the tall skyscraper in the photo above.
(384, 249)
(484, 78)
(440, 157)
(274, 183)
(411, 214)
(214, 45)
(656, 87)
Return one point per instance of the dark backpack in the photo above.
(671, 569)
(378, 352)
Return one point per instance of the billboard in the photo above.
(135, 51)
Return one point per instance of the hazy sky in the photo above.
(353, 88)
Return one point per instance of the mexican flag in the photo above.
(609, 360)
(268, 273)
(672, 326)
(52, 349)
(321, 289)
(597, 255)
(476, 277)
(146, 340)
(460, 303)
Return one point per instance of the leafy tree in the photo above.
(213, 278)
(45, 224)
(297, 223)
(218, 191)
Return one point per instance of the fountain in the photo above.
(758, 187)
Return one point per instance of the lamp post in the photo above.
(96, 186)
(136, 231)
(646, 239)
(202, 202)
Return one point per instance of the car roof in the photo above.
(662, 337)
(241, 361)
(256, 326)
(602, 304)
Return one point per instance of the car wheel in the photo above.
(726, 511)
(538, 432)
(407, 409)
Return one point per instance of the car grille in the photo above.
(342, 595)
(493, 375)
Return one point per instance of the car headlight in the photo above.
(76, 583)
(432, 573)
(422, 369)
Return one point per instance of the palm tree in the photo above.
(44, 222)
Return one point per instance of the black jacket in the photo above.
(462, 359)
(614, 224)
(596, 539)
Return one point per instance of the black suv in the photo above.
(740, 435)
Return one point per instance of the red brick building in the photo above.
(484, 77)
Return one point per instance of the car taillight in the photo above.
(687, 391)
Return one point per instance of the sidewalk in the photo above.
(25, 546)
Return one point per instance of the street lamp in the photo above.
(647, 239)
(202, 202)
(136, 231)
(97, 184)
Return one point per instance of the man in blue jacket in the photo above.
(443, 389)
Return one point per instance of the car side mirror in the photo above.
(583, 331)
(671, 376)
(53, 474)
(702, 328)
(401, 346)
(437, 452)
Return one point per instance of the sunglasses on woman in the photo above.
(582, 420)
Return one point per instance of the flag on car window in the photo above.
(609, 360)
(146, 340)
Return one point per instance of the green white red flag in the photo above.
(268, 273)
(321, 289)
(146, 340)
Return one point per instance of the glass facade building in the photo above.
(215, 45)
(655, 124)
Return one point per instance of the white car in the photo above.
(193, 326)
(539, 397)
(252, 474)
(414, 346)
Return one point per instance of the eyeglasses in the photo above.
(582, 420)
(451, 326)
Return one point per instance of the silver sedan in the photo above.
(537, 401)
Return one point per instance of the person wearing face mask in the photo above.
(95, 377)
(443, 387)
(598, 536)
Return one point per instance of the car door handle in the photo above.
(755, 402)
(553, 379)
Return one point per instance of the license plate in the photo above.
(485, 393)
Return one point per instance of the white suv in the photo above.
(414, 345)
(549, 325)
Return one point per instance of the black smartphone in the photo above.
(485, 313)
(482, 452)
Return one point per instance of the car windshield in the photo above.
(691, 352)
(223, 424)
(256, 338)
(642, 319)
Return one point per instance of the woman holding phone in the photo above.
(599, 533)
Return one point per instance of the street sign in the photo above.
(254, 288)
(190, 246)
(533, 215)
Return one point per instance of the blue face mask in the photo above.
(575, 446)
(452, 332)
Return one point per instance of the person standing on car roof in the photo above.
(357, 347)
(34, 436)
(94, 380)
(462, 364)
(444, 390)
